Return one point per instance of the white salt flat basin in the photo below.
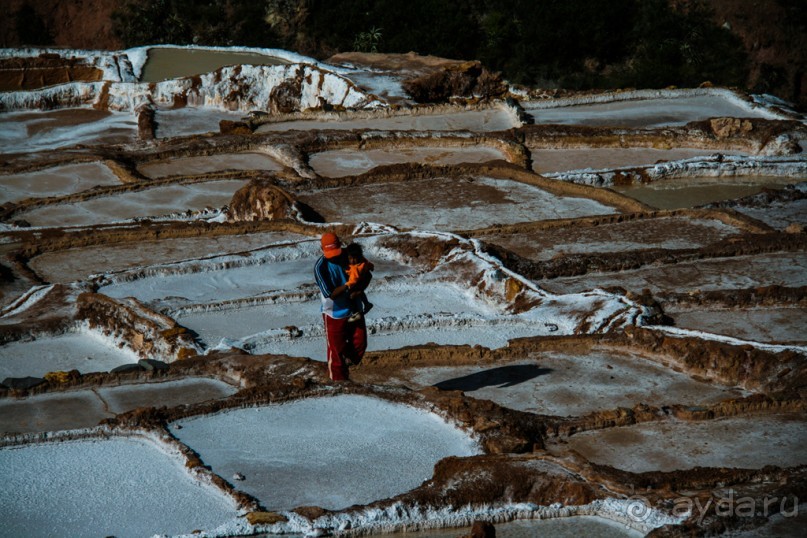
(779, 215)
(642, 113)
(112, 487)
(760, 324)
(546, 161)
(191, 120)
(329, 452)
(84, 351)
(153, 202)
(55, 181)
(203, 164)
(346, 162)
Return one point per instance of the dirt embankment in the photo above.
(46, 70)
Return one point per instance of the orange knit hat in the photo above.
(331, 246)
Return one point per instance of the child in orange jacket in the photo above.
(359, 274)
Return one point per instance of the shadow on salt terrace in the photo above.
(643, 113)
(170, 202)
(36, 131)
(55, 181)
(573, 384)
(86, 408)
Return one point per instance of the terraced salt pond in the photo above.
(55, 181)
(692, 192)
(779, 215)
(746, 442)
(762, 324)
(134, 489)
(164, 63)
(83, 351)
(666, 233)
(331, 452)
(187, 166)
(448, 204)
(546, 161)
(494, 119)
(739, 272)
(77, 264)
(642, 113)
(27, 132)
(573, 385)
(86, 408)
(225, 278)
(190, 121)
(565, 527)
(152, 202)
(346, 162)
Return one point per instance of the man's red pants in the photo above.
(347, 341)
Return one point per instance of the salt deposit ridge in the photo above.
(562, 278)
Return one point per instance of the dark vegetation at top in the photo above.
(576, 44)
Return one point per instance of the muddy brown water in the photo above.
(169, 63)
(693, 192)
(545, 161)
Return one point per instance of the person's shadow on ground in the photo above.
(502, 377)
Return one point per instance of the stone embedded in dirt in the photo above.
(126, 368)
(482, 529)
(261, 200)
(238, 476)
(22, 383)
(153, 365)
(728, 127)
(795, 228)
(229, 127)
(265, 518)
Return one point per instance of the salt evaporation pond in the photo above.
(56, 181)
(748, 442)
(448, 204)
(403, 315)
(346, 162)
(165, 63)
(191, 120)
(547, 161)
(152, 202)
(189, 166)
(739, 272)
(494, 119)
(691, 192)
(762, 324)
(564, 527)
(112, 487)
(26, 132)
(83, 351)
(206, 284)
(78, 263)
(86, 408)
(573, 385)
(641, 113)
(332, 452)
(666, 233)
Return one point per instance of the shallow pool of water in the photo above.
(57, 181)
(188, 166)
(693, 192)
(166, 63)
